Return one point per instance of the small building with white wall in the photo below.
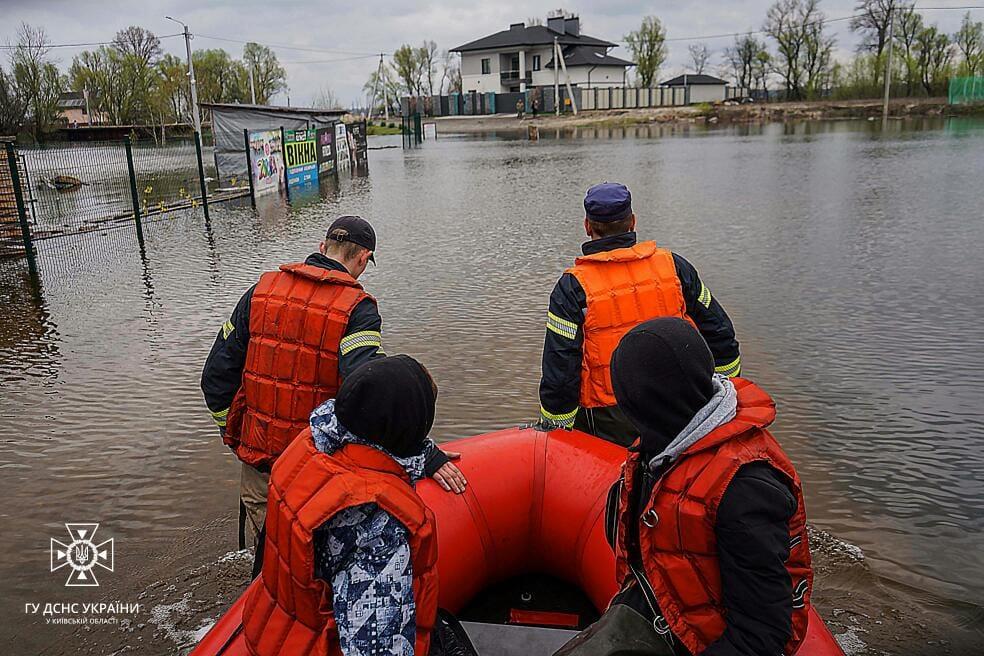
(699, 87)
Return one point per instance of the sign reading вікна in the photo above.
(301, 157)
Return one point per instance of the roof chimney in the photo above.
(555, 24)
(516, 26)
(572, 26)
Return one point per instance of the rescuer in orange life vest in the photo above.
(617, 284)
(292, 338)
(350, 549)
(708, 522)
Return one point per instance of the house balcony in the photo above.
(513, 78)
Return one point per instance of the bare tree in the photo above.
(36, 78)
(871, 21)
(534, 21)
(970, 41)
(803, 51)
(450, 73)
(741, 57)
(13, 104)
(326, 99)
(140, 43)
(909, 25)
(700, 56)
(817, 58)
(427, 61)
(935, 52)
(648, 48)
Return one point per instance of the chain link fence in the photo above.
(81, 202)
(966, 90)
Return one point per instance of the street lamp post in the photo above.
(191, 74)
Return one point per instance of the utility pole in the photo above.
(556, 79)
(567, 81)
(252, 85)
(191, 74)
(888, 65)
(88, 109)
(375, 86)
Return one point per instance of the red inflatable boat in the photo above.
(533, 511)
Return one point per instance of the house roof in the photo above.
(692, 79)
(533, 35)
(589, 56)
(71, 100)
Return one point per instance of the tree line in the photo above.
(129, 82)
(796, 49)
(414, 71)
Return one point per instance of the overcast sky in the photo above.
(355, 28)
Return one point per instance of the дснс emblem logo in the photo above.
(82, 554)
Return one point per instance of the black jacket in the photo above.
(752, 534)
(223, 372)
(560, 385)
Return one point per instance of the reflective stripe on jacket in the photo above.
(623, 288)
(298, 317)
(289, 612)
(677, 544)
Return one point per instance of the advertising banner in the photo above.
(326, 150)
(342, 161)
(266, 159)
(301, 157)
(360, 143)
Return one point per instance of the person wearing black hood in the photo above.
(707, 522)
(350, 549)
(290, 341)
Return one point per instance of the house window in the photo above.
(536, 62)
(486, 66)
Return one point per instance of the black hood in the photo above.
(389, 401)
(661, 373)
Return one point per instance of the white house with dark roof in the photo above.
(522, 57)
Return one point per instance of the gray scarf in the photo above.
(721, 409)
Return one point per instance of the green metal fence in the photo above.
(966, 90)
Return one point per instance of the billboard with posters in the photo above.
(342, 161)
(301, 157)
(266, 158)
(360, 143)
(326, 150)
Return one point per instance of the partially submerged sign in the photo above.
(301, 157)
(326, 150)
(266, 159)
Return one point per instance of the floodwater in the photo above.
(848, 258)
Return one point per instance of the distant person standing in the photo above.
(535, 107)
(614, 286)
(290, 341)
(520, 108)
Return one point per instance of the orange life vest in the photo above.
(677, 542)
(289, 613)
(624, 287)
(297, 317)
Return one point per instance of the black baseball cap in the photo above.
(353, 229)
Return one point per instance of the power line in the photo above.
(331, 61)
(285, 47)
(77, 45)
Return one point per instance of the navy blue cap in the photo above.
(608, 202)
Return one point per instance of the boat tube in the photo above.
(534, 507)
